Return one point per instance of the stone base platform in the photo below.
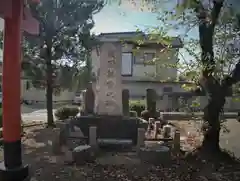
(155, 154)
(110, 127)
(115, 144)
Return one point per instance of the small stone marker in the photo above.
(83, 154)
(150, 125)
(56, 145)
(68, 155)
(167, 131)
(141, 138)
(93, 136)
(176, 141)
(156, 128)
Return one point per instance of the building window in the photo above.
(148, 57)
(127, 64)
(138, 59)
(167, 89)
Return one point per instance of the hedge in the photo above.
(137, 106)
(66, 111)
(133, 114)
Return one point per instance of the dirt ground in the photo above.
(114, 166)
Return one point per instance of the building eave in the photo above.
(130, 37)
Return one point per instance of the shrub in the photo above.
(145, 115)
(133, 114)
(137, 106)
(66, 111)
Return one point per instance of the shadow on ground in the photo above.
(45, 166)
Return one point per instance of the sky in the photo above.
(115, 18)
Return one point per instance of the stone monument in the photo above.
(108, 119)
(109, 94)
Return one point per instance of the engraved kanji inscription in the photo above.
(110, 94)
(110, 72)
(110, 83)
(112, 61)
(109, 103)
(111, 54)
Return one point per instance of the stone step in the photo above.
(114, 141)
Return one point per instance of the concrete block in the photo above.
(93, 136)
(141, 138)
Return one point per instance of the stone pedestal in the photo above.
(109, 94)
(110, 127)
(155, 155)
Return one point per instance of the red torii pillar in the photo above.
(12, 169)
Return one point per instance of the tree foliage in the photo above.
(64, 37)
(65, 28)
(213, 68)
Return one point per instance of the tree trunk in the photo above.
(49, 92)
(49, 87)
(214, 89)
(212, 117)
(211, 135)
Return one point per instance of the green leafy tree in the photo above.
(213, 68)
(216, 79)
(64, 35)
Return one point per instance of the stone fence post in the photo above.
(125, 102)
